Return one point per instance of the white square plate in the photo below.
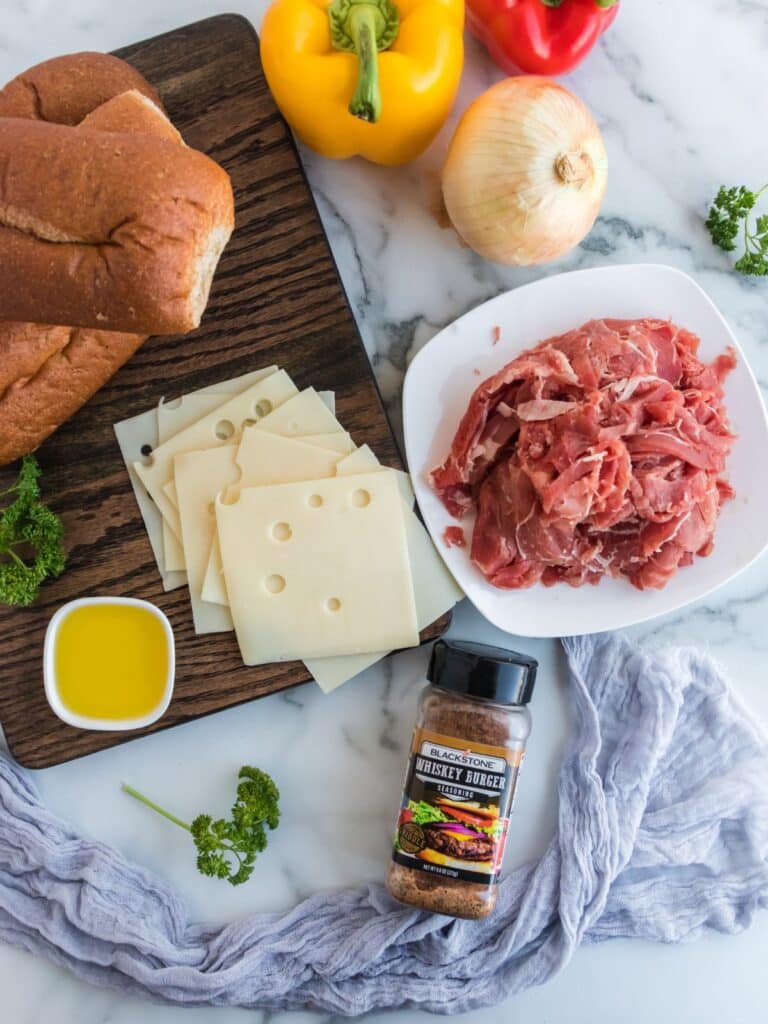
(441, 380)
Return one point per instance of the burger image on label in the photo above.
(470, 813)
(456, 843)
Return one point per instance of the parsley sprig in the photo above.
(228, 849)
(730, 215)
(31, 536)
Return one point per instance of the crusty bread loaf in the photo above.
(47, 372)
(66, 89)
(72, 364)
(108, 230)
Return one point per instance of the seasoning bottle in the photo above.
(467, 747)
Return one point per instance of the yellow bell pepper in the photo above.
(364, 77)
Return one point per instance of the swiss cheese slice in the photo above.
(298, 463)
(200, 476)
(305, 413)
(329, 399)
(178, 414)
(214, 585)
(141, 434)
(363, 460)
(265, 459)
(318, 568)
(223, 425)
(134, 436)
(173, 553)
(435, 590)
(169, 490)
(338, 441)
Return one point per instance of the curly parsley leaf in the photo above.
(228, 849)
(730, 216)
(31, 539)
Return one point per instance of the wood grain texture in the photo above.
(277, 298)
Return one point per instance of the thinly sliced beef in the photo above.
(597, 452)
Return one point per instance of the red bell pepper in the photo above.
(540, 37)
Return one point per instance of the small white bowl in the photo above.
(447, 370)
(49, 669)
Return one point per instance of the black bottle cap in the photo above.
(479, 670)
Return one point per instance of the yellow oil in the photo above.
(111, 661)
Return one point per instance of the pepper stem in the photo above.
(366, 99)
(364, 27)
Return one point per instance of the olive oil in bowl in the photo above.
(109, 663)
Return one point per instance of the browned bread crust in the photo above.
(132, 111)
(64, 90)
(84, 243)
(72, 363)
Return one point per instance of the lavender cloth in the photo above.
(663, 833)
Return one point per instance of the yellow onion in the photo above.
(526, 172)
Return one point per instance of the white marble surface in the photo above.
(679, 90)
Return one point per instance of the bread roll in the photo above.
(73, 363)
(132, 111)
(66, 89)
(108, 230)
(46, 372)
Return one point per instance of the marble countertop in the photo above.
(678, 90)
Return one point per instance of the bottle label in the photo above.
(456, 803)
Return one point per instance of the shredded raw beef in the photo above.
(597, 452)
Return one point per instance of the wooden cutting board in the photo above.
(277, 298)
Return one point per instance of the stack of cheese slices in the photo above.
(288, 533)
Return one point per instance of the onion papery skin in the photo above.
(526, 172)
